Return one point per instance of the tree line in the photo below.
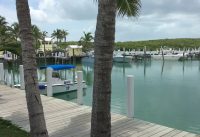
(151, 45)
(156, 44)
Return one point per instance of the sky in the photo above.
(159, 19)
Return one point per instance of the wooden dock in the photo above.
(67, 119)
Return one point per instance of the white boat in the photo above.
(167, 56)
(88, 59)
(120, 58)
(58, 86)
(61, 86)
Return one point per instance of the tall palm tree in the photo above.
(104, 43)
(34, 104)
(86, 41)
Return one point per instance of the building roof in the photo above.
(48, 39)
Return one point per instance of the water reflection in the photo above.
(69, 96)
(162, 69)
(183, 67)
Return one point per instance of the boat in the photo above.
(88, 59)
(59, 85)
(117, 57)
(167, 56)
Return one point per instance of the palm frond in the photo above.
(129, 8)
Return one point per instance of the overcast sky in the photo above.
(158, 18)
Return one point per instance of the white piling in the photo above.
(49, 82)
(6, 78)
(1, 74)
(80, 87)
(130, 96)
(12, 79)
(21, 72)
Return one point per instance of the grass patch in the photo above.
(7, 129)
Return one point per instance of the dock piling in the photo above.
(6, 78)
(12, 79)
(21, 71)
(2, 74)
(80, 87)
(49, 82)
(130, 96)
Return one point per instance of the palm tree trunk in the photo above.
(104, 45)
(34, 104)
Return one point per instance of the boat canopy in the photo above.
(59, 66)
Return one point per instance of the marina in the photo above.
(94, 72)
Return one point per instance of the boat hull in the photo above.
(122, 59)
(61, 88)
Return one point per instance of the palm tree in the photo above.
(64, 34)
(34, 104)
(104, 45)
(57, 34)
(15, 30)
(37, 35)
(4, 31)
(3, 21)
(86, 41)
(44, 34)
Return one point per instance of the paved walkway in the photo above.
(67, 119)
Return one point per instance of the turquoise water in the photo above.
(165, 93)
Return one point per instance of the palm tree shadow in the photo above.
(79, 126)
(2, 100)
(20, 119)
(73, 126)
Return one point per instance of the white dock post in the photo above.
(49, 82)
(80, 87)
(21, 72)
(130, 96)
(12, 79)
(6, 77)
(2, 74)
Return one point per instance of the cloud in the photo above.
(8, 13)
(52, 11)
(155, 26)
(158, 18)
(163, 7)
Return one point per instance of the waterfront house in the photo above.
(74, 50)
(48, 43)
(1, 55)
